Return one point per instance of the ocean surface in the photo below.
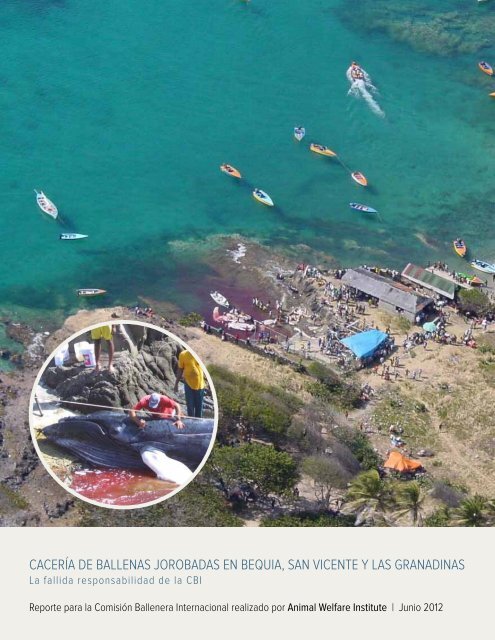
(122, 111)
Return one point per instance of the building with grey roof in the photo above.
(392, 296)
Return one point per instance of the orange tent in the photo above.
(398, 462)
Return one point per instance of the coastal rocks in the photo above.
(436, 31)
(134, 376)
(19, 332)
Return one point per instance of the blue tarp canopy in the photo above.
(366, 343)
(431, 327)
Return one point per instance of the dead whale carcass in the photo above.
(111, 439)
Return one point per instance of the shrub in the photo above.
(309, 520)
(259, 407)
(262, 468)
(359, 445)
(332, 388)
(474, 301)
(191, 320)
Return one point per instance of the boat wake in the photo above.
(364, 88)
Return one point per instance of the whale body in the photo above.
(111, 439)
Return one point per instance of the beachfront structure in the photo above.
(429, 280)
(392, 296)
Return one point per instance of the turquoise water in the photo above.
(122, 111)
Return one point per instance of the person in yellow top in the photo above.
(105, 332)
(191, 374)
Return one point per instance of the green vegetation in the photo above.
(191, 320)
(474, 301)
(410, 502)
(258, 470)
(370, 498)
(309, 520)
(486, 343)
(410, 415)
(439, 518)
(359, 445)
(10, 499)
(476, 511)
(327, 474)
(332, 387)
(259, 408)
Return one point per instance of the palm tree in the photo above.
(369, 497)
(473, 512)
(410, 500)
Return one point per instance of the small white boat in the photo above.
(299, 133)
(90, 292)
(362, 207)
(481, 265)
(262, 197)
(46, 205)
(72, 236)
(241, 326)
(219, 299)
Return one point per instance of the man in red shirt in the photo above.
(159, 407)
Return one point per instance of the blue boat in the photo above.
(362, 207)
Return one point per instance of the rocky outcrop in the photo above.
(151, 369)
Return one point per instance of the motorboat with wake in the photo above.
(356, 72)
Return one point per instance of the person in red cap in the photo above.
(159, 407)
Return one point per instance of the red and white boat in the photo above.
(46, 205)
(358, 177)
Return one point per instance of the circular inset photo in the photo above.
(123, 415)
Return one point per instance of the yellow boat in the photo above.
(230, 170)
(485, 67)
(322, 150)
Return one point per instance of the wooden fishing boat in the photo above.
(220, 299)
(72, 236)
(89, 293)
(46, 205)
(322, 150)
(358, 177)
(485, 67)
(230, 170)
(362, 207)
(460, 247)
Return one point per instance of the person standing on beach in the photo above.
(105, 332)
(191, 373)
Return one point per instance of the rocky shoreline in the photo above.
(246, 272)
